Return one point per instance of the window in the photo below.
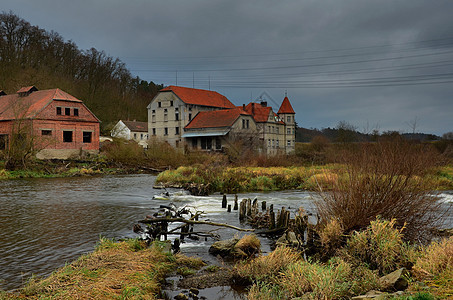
(159, 104)
(176, 116)
(288, 119)
(165, 131)
(87, 136)
(67, 111)
(247, 124)
(46, 132)
(293, 131)
(3, 141)
(176, 130)
(67, 136)
(218, 144)
(194, 143)
(277, 129)
(243, 123)
(141, 136)
(135, 136)
(278, 143)
(154, 131)
(190, 117)
(59, 111)
(289, 143)
(153, 116)
(269, 143)
(288, 130)
(165, 115)
(76, 112)
(171, 103)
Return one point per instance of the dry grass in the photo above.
(125, 270)
(248, 246)
(437, 258)
(265, 267)
(331, 236)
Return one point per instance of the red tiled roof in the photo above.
(199, 97)
(136, 126)
(216, 118)
(260, 113)
(286, 107)
(27, 89)
(14, 106)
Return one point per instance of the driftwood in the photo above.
(170, 220)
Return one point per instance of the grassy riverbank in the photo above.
(131, 270)
(115, 270)
(248, 179)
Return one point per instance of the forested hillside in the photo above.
(30, 55)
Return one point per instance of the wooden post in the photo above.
(249, 207)
(272, 220)
(242, 210)
(235, 202)
(229, 207)
(254, 208)
(224, 201)
(263, 205)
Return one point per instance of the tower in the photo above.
(287, 114)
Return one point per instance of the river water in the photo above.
(45, 223)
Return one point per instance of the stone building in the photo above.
(209, 121)
(59, 124)
(131, 130)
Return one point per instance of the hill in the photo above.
(30, 55)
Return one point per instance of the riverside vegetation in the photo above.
(376, 213)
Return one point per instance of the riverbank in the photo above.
(249, 179)
(73, 168)
(132, 270)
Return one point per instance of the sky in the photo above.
(376, 64)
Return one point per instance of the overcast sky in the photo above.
(377, 64)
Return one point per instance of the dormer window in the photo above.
(58, 111)
(76, 112)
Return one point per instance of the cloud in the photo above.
(364, 61)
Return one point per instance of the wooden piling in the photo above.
(235, 202)
(224, 201)
(249, 207)
(229, 208)
(242, 210)
(263, 205)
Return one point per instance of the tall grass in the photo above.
(383, 179)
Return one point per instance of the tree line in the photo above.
(30, 55)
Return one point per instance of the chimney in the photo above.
(253, 108)
(243, 106)
(264, 103)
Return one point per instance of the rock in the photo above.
(371, 295)
(223, 248)
(194, 291)
(288, 239)
(181, 296)
(395, 281)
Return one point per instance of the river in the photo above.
(45, 223)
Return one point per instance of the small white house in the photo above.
(131, 130)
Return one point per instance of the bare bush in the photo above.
(383, 179)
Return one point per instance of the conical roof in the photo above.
(286, 107)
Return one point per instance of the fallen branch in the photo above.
(170, 220)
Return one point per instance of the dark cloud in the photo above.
(373, 63)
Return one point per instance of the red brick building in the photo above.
(60, 124)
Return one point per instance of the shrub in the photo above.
(383, 179)
(379, 247)
(437, 258)
(124, 152)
